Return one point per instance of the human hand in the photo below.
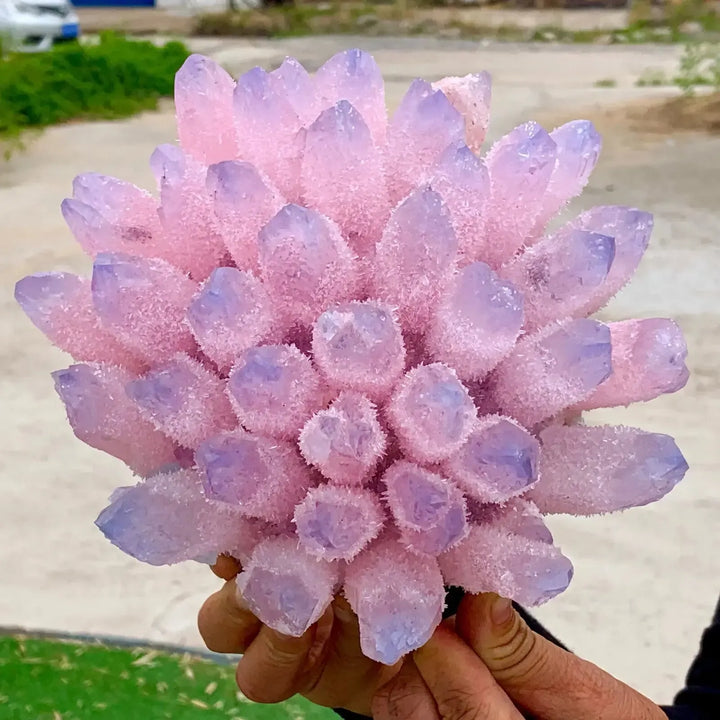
(489, 663)
(326, 664)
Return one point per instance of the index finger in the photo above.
(460, 682)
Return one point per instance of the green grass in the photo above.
(56, 680)
(113, 78)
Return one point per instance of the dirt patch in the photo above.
(697, 113)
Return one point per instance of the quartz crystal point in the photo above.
(268, 130)
(231, 313)
(590, 470)
(494, 558)
(578, 149)
(499, 461)
(292, 80)
(343, 175)
(552, 369)
(428, 509)
(522, 517)
(262, 478)
(354, 76)
(190, 238)
(243, 201)
(166, 519)
(477, 322)
(631, 230)
(462, 181)
(421, 129)
(398, 597)
(103, 417)
(359, 345)
(520, 166)
(336, 523)
(561, 274)
(432, 413)
(142, 303)
(470, 96)
(110, 215)
(345, 441)
(204, 110)
(286, 587)
(184, 400)
(648, 359)
(305, 264)
(60, 305)
(416, 257)
(274, 389)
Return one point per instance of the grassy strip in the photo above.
(55, 680)
(113, 78)
(683, 22)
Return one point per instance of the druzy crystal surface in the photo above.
(344, 348)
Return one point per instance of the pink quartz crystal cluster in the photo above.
(346, 350)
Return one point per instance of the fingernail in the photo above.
(501, 611)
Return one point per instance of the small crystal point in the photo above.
(648, 358)
(166, 519)
(470, 96)
(184, 400)
(336, 523)
(262, 478)
(40, 295)
(477, 322)
(243, 202)
(168, 164)
(398, 597)
(267, 127)
(416, 257)
(204, 110)
(520, 166)
(359, 346)
(559, 275)
(127, 292)
(354, 76)
(631, 231)
(431, 412)
(286, 587)
(421, 129)
(552, 369)
(305, 264)
(274, 389)
(578, 148)
(492, 558)
(463, 182)
(590, 470)
(292, 80)
(230, 314)
(350, 191)
(428, 509)
(345, 441)
(498, 461)
(101, 416)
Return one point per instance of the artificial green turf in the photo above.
(56, 680)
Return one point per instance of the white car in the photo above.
(33, 25)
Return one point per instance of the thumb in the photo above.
(539, 676)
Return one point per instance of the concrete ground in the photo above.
(645, 581)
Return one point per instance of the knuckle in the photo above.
(520, 656)
(465, 705)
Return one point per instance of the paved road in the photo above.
(645, 581)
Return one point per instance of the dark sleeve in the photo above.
(700, 699)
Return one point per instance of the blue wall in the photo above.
(114, 3)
